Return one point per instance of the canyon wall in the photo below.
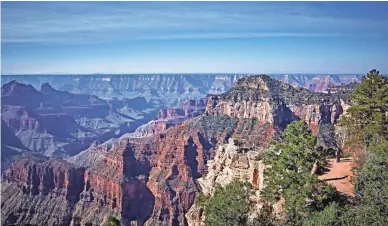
(153, 178)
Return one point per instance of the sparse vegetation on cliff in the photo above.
(209, 124)
(112, 221)
(228, 206)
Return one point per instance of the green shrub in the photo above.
(229, 205)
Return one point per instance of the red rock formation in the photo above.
(113, 186)
(153, 180)
(54, 177)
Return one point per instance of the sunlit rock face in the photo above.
(271, 101)
(231, 162)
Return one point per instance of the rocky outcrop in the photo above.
(171, 113)
(231, 162)
(277, 103)
(115, 186)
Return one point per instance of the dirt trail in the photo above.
(339, 175)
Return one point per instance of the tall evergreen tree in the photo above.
(368, 115)
(289, 174)
(367, 121)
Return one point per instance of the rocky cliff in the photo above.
(232, 162)
(112, 186)
(40, 192)
(155, 175)
(153, 180)
(277, 103)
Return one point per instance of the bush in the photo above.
(326, 217)
(229, 205)
(266, 217)
(112, 221)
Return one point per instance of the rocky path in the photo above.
(339, 175)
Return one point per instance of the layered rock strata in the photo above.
(153, 180)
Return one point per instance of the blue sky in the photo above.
(194, 37)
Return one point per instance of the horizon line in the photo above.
(193, 73)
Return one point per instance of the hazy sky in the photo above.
(198, 37)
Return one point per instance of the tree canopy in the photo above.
(229, 205)
(289, 175)
(367, 117)
(367, 122)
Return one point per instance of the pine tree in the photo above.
(367, 122)
(368, 115)
(289, 174)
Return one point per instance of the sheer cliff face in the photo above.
(41, 192)
(153, 179)
(56, 192)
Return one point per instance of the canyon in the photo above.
(150, 175)
(59, 124)
(169, 89)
